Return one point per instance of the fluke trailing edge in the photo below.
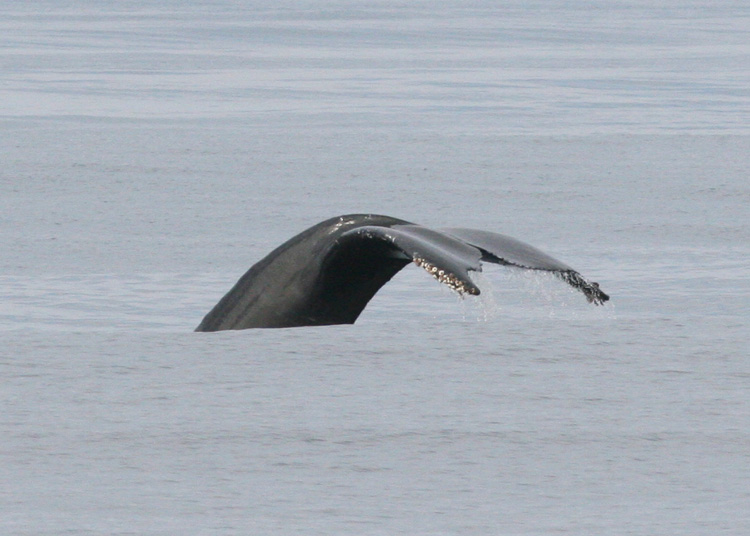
(327, 274)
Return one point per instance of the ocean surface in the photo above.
(153, 151)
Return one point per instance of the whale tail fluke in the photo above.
(328, 273)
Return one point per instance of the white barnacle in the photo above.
(443, 276)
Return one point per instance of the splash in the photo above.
(541, 291)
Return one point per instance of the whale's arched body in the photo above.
(328, 273)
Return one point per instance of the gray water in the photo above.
(153, 151)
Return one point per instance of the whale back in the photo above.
(290, 287)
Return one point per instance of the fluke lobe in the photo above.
(327, 274)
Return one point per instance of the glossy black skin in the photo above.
(328, 273)
(294, 286)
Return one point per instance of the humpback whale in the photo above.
(327, 274)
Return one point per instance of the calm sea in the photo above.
(153, 151)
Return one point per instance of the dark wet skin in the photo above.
(327, 274)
